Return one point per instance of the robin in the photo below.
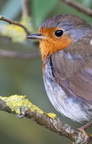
(66, 49)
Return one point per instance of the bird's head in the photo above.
(59, 32)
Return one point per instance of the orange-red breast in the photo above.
(66, 49)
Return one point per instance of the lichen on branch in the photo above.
(16, 102)
(21, 106)
(17, 31)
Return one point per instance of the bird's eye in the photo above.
(59, 33)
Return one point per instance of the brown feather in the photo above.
(72, 69)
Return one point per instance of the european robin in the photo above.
(66, 49)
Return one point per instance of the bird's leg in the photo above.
(83, 129)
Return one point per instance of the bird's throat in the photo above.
(49, 46)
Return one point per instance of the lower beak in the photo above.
(36, 36)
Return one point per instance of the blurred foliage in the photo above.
(87, 3)
(17, 33)
(23, 77)
(11, 8)
(41, 9)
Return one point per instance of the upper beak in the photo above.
(36, 36)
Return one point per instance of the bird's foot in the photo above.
(84, 127)
(83, 130)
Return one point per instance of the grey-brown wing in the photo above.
(72, 69)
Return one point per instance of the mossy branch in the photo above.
(15, 23)
(16, 31)
(21, 106)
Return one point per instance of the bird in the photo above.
(66, 50)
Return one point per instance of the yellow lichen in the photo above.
(16, 102)
(52, 115)
(16, 33)
(90, 135)
(27, 22)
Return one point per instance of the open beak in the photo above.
(36, 36)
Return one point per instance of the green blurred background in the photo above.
(23, 77)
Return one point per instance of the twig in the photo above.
(25, 7)
(15, 23)
(13, 54)
(13, 104)
(79, 7)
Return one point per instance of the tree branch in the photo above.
(23, 108)
(20, 55)
(79, 7)
(15, 23)
(25, 7)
